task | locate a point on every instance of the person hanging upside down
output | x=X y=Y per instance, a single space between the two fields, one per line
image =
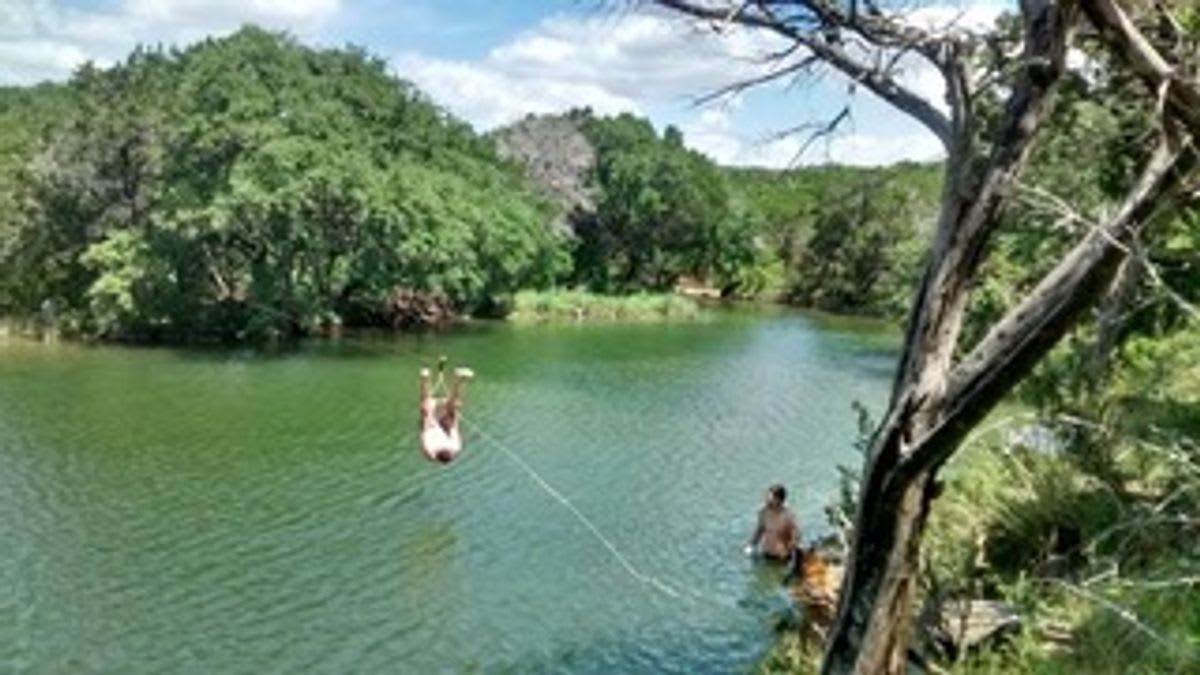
x=440 y=438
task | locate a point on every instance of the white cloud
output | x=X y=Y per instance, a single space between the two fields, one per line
x=713 y=132
x=638 y=55
x=640 y=61
x=854 y=148
x=24 y=61
x=611 y=63
x=491 y=98
x=964 y=16
x=880 y=147
x=41 y=39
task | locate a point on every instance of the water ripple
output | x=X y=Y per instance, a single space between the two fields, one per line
x=168 y=511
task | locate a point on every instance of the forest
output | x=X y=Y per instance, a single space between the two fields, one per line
x=249 y=187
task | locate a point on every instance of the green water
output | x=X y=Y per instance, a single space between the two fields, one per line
x=247 y=512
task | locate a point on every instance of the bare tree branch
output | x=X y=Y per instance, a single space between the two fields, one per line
x=797 y=68
x=1181 y=302
x=976 y=198
x=1031 y=328
x=814 y=131
x=1042 y=200
x=1128 y=44
x=813 y=25
x=937 y=399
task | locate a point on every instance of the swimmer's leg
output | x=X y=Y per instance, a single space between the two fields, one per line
x=428 y=403
x=454 y=402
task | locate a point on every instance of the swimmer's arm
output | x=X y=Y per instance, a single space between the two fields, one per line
x=757 y=536
x=792 y=535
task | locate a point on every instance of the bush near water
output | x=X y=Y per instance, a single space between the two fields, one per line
x=250 y=186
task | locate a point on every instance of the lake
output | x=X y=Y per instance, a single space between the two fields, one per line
x=248 y=511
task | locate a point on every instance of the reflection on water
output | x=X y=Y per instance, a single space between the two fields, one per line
x=240 y=511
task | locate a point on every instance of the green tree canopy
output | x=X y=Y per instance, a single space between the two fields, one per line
x=252 y=185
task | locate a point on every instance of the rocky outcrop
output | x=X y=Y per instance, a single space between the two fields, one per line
x=556 y=156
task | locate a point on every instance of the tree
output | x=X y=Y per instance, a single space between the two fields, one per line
x=661 y=209
x=864 y=245
x=248 y=186
x=943 y=386
x=839 y=238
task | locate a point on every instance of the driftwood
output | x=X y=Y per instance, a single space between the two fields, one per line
x=966 y=625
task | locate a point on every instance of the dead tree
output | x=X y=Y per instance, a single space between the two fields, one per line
x=939 y=393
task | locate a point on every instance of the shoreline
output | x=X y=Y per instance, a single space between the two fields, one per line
x=566 y=308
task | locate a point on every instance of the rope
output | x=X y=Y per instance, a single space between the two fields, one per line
x=439 y=384
x=640 y=576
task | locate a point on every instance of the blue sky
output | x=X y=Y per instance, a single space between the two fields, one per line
x=491 y=61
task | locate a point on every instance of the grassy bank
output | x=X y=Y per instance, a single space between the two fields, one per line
x=577 y=305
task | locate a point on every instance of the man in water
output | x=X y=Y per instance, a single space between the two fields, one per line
x=440 y=439
x=777 y=533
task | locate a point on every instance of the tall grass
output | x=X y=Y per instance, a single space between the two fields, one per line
x=1105 y=576
x=579 y=305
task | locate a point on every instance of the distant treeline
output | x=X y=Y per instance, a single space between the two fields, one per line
x=249 y=186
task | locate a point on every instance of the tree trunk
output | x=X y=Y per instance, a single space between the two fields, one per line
x=876 y=615
x=875 y=612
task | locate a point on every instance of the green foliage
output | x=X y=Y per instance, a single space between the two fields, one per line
x=662 y=212
x=834 y=238
x=122 y=265
x=249 y=185
x=1079 y=501
x=581 y=305
x=1110 y=573
x=865 y=250
x=846 y=240
x=1091 y=529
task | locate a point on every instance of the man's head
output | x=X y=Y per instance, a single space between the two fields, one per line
x=776 y=495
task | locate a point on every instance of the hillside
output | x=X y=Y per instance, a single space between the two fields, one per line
x=838 y=238
x=251 y=186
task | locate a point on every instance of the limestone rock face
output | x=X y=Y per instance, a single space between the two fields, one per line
x=556 y=156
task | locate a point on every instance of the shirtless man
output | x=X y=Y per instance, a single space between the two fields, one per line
x=777 y=533
x=440 y=438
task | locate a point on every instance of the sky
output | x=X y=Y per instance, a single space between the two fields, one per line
x=491 y=62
